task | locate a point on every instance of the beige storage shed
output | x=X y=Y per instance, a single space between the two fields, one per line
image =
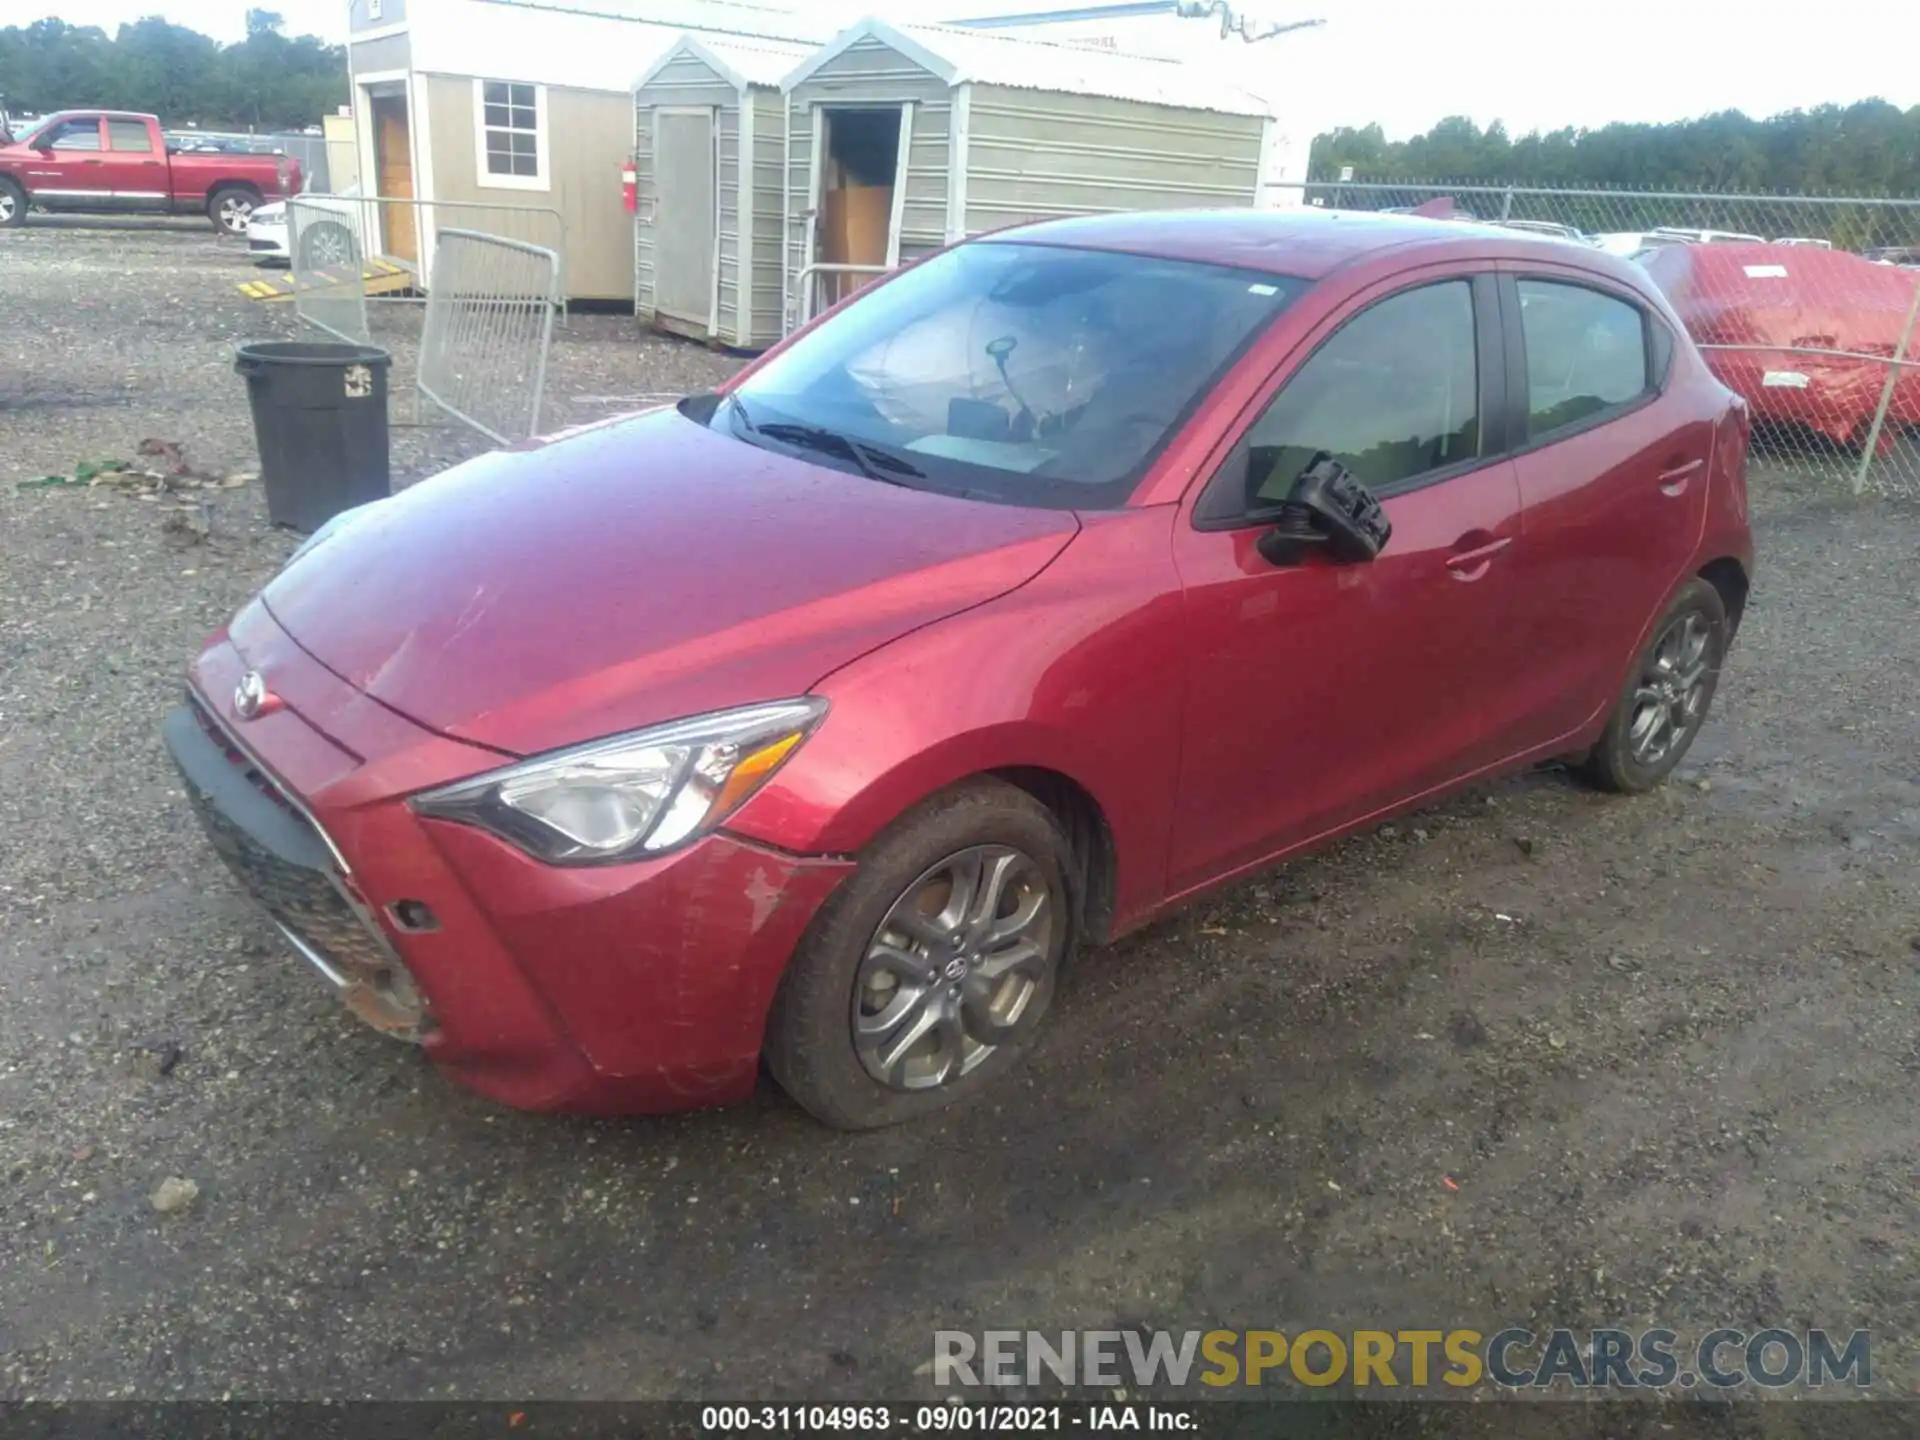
x=903 y=138
x=709 y=135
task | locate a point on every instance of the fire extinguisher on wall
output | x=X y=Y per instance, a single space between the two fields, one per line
x=630 y=186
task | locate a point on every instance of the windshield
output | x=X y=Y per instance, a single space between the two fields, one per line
x=1027 y=373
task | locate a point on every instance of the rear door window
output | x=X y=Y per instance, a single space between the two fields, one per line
x=1587 y=354
x=129 y=136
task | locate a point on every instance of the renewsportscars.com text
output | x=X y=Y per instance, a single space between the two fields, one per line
x=1514 y=1359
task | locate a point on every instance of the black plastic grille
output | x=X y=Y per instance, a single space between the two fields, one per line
x=305 y=900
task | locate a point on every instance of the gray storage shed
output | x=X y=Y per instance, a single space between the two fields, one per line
x=903 y=138
x=709 y=130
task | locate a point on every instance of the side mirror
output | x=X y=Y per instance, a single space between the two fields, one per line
x=1327 y=509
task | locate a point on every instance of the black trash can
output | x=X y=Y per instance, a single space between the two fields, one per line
x=320 y=419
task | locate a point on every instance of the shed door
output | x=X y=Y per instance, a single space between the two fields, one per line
x=393 y=173
x=684 y=220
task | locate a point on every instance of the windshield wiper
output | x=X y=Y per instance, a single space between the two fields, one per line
x=873 y=460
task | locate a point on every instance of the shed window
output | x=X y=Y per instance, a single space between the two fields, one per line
x=513 y=149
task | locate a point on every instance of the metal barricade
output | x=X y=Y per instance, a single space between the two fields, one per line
x=398 y=235
x=326 y=247
x=487 y=331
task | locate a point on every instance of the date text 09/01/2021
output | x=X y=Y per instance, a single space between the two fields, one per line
x=943 y=1419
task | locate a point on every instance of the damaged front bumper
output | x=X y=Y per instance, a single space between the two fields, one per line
x=283 y=858
x=640 y=987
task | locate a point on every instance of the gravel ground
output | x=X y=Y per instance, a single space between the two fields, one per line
x=1664 y=1048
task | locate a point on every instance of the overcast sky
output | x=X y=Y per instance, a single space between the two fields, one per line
x=1406 y=63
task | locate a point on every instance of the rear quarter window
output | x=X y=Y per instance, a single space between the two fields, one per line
x=1588 y=354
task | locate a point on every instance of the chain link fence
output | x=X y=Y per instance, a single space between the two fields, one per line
x=1805 y=306
x=325 y=247
x=488 y=327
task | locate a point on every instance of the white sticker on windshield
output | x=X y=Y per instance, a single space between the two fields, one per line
x=1766 y=272
x=1784 y=380
x=1263 y=289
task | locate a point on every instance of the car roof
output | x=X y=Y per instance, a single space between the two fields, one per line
x=1306 y=243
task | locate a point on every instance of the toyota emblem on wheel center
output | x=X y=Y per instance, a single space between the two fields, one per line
x=250 y=695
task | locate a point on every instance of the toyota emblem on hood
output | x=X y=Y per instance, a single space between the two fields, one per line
x=250 y=695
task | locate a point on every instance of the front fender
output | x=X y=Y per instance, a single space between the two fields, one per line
x=848 y=792
x=1077 y=672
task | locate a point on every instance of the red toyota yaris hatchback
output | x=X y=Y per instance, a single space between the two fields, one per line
x=1062 y=576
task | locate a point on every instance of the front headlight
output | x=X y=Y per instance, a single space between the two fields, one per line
x=630 y=796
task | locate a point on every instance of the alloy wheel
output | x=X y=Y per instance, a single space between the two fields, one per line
x=327 y=246
x=235 y=211
x=1671 y=696
x=954 y=967
x=9 y=206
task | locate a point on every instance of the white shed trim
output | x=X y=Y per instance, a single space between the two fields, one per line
x=959 y=131
x=743 y=66
x=903 y=158
x=786 y=213
x=420 y=128
x=542 y=178
x=744 y=217
x=985 y=57
x=815 y=178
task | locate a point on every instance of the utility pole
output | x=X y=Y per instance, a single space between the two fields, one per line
x=1245 y=26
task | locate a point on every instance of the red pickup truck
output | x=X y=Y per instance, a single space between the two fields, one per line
x=108 y=162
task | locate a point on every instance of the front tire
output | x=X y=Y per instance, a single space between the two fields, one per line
x=931 y=971
x=13 y=205
x=230 y=208
x=1665 y=700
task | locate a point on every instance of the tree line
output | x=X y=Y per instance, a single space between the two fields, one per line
x=1866 y=148
x=268 y=81
x=264 y=82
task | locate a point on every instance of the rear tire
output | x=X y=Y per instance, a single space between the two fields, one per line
x=13 y=205
x=230 y=208
x=1665 y=699
x=891 y=1010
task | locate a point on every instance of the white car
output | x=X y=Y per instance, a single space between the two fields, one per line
x=1551 y=229
x=323 y=243
x=1709 y=237
x=1632 y=242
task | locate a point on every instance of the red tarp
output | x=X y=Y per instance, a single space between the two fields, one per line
x=1781 y=299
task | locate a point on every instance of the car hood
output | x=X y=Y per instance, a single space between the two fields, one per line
x=636 y=572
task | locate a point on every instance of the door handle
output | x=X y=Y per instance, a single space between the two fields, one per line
x=1675 y=478
x=1471 y=564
